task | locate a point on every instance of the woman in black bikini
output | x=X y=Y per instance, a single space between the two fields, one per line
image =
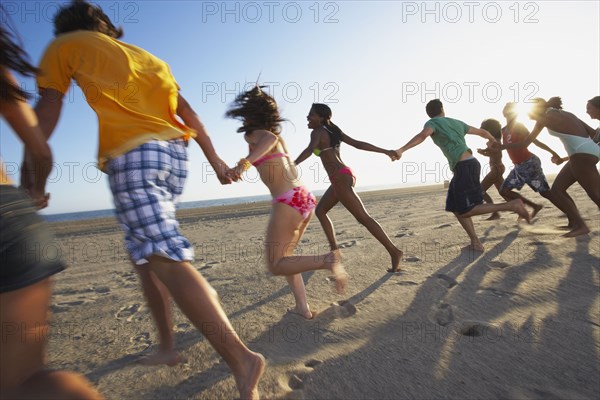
x=325 y=141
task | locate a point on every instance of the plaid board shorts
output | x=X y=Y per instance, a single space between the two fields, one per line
x=146 y=184
x=528 y=172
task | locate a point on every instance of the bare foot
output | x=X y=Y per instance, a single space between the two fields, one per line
x=337 y=270
x=518 y=207
x=493 y=217
x=536 y=209
x=582 y=230
x=478 y=247
x=167 y=357
x=247 y=379
x=396 y=258
x=308 y=314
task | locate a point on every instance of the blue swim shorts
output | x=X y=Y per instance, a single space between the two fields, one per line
x=146 y=184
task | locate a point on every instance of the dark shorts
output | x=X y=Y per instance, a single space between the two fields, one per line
x=28 y=250
x=464 y=191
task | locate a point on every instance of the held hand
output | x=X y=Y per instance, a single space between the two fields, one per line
x=398 y=154
x=40 y=200
x=482 y=151
x=234 y=174
x=494 y=145
x=392 y=155
x=556 y=159
x=222 y=175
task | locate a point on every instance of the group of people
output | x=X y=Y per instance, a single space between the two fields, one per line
x=143 y=150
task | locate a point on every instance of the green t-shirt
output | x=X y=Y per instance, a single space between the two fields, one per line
x=449 y=135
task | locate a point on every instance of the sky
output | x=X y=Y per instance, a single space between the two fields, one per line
x=376 y=63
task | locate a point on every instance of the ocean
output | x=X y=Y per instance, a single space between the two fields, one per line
x=94 y=214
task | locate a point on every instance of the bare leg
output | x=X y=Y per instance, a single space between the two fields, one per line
x=564 y=202
x=23 y=317
x=200 y=303
x=467 y=224
x=352 y=202
x=297 y=284
x=583 y=168
x=513 y=205
x=512 y=195
x=158 y=300
x=326 y=203
x=283 y=234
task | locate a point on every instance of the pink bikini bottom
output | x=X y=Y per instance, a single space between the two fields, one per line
x=300 y=199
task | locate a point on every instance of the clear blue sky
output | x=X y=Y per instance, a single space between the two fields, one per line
x=376 y=64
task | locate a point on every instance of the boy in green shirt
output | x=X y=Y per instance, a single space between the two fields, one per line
x=465 y=196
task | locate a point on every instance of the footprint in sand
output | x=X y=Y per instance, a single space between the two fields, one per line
x=412 y=259
x=407 y=283
x=498 y=265
x=348 y=244
x=141 y=342
x=446 y=281
x=183 y=327
x=340 y=309
x=477 y=329
x=205 y=267
x=128 y=312
x=65 y=306
x=405 y=234
x=313 y=362
x=443 y=226
x=443 y=314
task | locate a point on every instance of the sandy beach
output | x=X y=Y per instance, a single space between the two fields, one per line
x=520 y=321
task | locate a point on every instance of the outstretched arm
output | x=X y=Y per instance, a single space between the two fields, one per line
x=24 y=122
x=314 y=142
x=191 y=119
x=482 y=133
x=261 y=142
x=545 y=147
x=368 y=147
x=416 y=140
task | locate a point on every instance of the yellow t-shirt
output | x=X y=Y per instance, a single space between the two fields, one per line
x=132 y=92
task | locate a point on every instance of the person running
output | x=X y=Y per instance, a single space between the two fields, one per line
x=465 y=197
x=527 y=167
x=494 y=176
x=293 y=203
x=325 y=141
x=143 y=150
x=26 y=270
x=583 y=156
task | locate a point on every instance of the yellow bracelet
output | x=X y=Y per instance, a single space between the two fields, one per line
x=245 y=164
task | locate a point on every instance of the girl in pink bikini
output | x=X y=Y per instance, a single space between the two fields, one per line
x=293 y=204
x=325 y=143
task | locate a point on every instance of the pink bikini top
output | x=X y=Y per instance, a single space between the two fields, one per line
x=268 y=157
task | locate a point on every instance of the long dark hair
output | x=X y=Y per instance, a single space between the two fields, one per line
x=81 y=15
x=257 y=109
x=553 y=102
x=324 y=111
x=12 y=57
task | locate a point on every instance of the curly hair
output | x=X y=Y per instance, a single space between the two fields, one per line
x=257 y=109
x=81 y=15
x=12 y=57
x=493 y=126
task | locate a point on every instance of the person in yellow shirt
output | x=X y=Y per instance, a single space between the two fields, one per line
x=25 y=270
x=142 y=149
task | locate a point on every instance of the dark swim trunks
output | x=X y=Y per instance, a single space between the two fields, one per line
x=28 y=250
x=465 y=191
